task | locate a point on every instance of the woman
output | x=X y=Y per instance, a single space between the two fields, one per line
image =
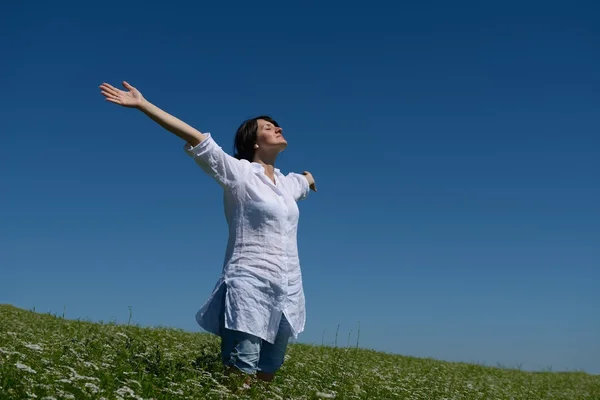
x=258 y=301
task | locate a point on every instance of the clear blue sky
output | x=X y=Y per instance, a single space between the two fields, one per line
x=455 y=148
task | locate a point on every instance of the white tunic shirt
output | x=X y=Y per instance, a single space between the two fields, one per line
x=261 y=269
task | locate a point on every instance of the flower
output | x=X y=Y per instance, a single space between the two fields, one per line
x=33 y=346
x=26 y=368
x=323 y=395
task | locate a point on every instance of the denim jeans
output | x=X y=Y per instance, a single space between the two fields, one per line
x=250 y=353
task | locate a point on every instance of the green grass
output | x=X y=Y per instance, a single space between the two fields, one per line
x=44 y=356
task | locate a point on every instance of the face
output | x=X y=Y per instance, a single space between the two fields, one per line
x=269 y=137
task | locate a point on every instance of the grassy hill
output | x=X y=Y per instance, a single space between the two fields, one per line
x=46 y=357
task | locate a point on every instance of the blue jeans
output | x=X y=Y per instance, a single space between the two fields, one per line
x=250 y=353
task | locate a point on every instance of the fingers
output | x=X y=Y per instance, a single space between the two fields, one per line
x=109 y=95
x=108 y=86
x=113 y=100
x=312 y=184
x=110 y=89
x=128 y=86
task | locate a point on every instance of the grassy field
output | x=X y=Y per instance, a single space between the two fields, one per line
x=47 y=357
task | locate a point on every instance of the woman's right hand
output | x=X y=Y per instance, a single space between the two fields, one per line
x=132 y=98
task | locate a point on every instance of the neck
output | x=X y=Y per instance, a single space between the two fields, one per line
x=268 y=162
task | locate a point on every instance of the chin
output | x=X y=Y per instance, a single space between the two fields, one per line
x=282 y=146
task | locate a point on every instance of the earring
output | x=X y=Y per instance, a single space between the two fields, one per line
x=256 y=146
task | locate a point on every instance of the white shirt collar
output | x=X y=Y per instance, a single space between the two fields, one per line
x=258 y=168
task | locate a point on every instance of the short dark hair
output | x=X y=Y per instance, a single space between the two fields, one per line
x=245 y=137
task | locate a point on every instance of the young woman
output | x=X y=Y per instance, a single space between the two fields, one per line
x=258 y=301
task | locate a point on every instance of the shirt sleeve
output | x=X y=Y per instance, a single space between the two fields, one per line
x=298 y=185
x=222 y=167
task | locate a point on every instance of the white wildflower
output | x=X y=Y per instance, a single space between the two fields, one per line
x=122 y=391
x=221 y=391
x=65 y=395
x=194 y=383
x=91 y=365
x=177 y=392
x=24 y=367
x=72 y=350
x=10 y=353
x=36 y=347
x=43 y=386
x=49 y=398
x=326 y=395
x=134 y=381
x=93 y=388
x=77 y=377
x=122 y=335
x=32 y=395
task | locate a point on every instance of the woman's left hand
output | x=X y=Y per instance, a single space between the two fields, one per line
x=132 y=98
x=311 y=180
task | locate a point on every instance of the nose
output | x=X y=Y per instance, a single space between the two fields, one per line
x=279 y=130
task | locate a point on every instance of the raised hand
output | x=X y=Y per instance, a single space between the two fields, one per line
x=311 y=180
x=132 y=98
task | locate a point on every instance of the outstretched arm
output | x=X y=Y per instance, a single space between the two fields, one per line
x=134 y=99
x=225 y=169
x=299 y=185
x=311 y=180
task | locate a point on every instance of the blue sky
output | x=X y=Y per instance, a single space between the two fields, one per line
x=455 y=149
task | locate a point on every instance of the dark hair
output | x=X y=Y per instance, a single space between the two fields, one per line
x=245 y=137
